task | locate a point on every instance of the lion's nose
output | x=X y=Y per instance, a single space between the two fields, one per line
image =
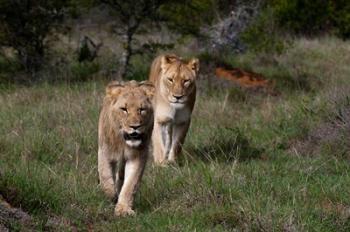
x=135 y=126
x=178 y=97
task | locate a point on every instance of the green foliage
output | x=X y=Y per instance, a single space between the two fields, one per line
x=187 y=16
x=340 y=12
x=263 y=35
x=312 y=17
x=140 y=68
x=24 y=26
x=303 y=16
x=83 y=71
x=267 y=32
x=8 y=67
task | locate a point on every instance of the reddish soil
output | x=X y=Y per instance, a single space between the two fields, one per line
x=243 y=78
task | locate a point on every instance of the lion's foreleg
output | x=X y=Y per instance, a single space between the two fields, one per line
x=105 y=171
x=133 y=173
x=161 y=141
x=119 y=176
x=178 y=138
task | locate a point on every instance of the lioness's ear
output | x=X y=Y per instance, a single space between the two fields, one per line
x=193 y=64
x=166 y=60
x=148 y=88
x=114 y=88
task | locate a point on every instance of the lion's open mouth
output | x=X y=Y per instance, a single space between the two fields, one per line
x=133 y=139
x=133 y=136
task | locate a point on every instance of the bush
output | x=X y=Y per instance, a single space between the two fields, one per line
x=314 y=17
x=83 y=71
x=264 y=35
x=268 y=30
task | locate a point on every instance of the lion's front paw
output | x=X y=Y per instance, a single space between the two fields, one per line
x=123 y=210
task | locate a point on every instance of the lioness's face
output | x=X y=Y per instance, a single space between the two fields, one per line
x=133 y=110
x=178 y=80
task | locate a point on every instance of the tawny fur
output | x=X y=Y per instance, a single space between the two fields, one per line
x=175 y=83
x=121 y=160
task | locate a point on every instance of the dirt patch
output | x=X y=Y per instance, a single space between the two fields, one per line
x=243 y=78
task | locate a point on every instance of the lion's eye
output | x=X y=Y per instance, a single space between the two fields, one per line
x=187 y=82
x=142 y=110
x=170 y=79
x=124 y=109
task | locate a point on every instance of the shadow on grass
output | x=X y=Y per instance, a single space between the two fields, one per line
x=228 y=146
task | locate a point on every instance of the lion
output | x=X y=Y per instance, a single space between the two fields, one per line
x=124 y=134
x=175 y=95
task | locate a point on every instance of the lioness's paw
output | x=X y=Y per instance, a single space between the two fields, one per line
x=171 y=162
x=123 y=210
x=162 y=163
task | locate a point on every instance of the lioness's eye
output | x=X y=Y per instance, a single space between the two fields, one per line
x=170 y=79
x=142 y=110
x=124 y=109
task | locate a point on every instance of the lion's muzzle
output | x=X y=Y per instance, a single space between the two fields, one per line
x=134 y=139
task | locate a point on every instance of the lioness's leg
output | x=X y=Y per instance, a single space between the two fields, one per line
x=106 y=173
x=133 y=173
x=161 y=140
x=179 y=134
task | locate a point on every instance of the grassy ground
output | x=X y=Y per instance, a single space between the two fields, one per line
x=252 y=162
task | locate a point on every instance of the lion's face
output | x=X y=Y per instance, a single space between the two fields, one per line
x=132 y=110
x=177 y=79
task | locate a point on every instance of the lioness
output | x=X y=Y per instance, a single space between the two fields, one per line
x=174 y=80
x=124 y=132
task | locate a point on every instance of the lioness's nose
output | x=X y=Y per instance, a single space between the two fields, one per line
x=135 y=126
x=178 y=97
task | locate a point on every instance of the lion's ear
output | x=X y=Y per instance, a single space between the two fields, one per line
x=149 y=88
x=114 y=88
x=166 y=60
x=193 y=64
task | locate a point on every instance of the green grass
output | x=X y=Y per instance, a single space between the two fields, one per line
x=239 y=172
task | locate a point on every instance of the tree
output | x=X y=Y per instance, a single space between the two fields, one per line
x=24 y=26
x=188 y=16
x=132 y=15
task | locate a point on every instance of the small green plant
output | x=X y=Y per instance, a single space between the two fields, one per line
x=83 y=71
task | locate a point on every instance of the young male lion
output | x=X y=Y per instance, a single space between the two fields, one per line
x=125 y=128
x=174 y=80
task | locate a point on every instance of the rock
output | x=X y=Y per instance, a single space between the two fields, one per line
x=226 y=33
x=9 y=214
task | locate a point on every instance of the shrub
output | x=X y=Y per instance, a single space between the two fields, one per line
x=264 y=35
x=83 y=71
x=24 y=26
x=314 y=17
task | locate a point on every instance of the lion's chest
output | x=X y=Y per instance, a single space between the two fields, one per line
x=169 y=114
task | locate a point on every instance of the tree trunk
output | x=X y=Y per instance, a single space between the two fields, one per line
x=127 y=53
